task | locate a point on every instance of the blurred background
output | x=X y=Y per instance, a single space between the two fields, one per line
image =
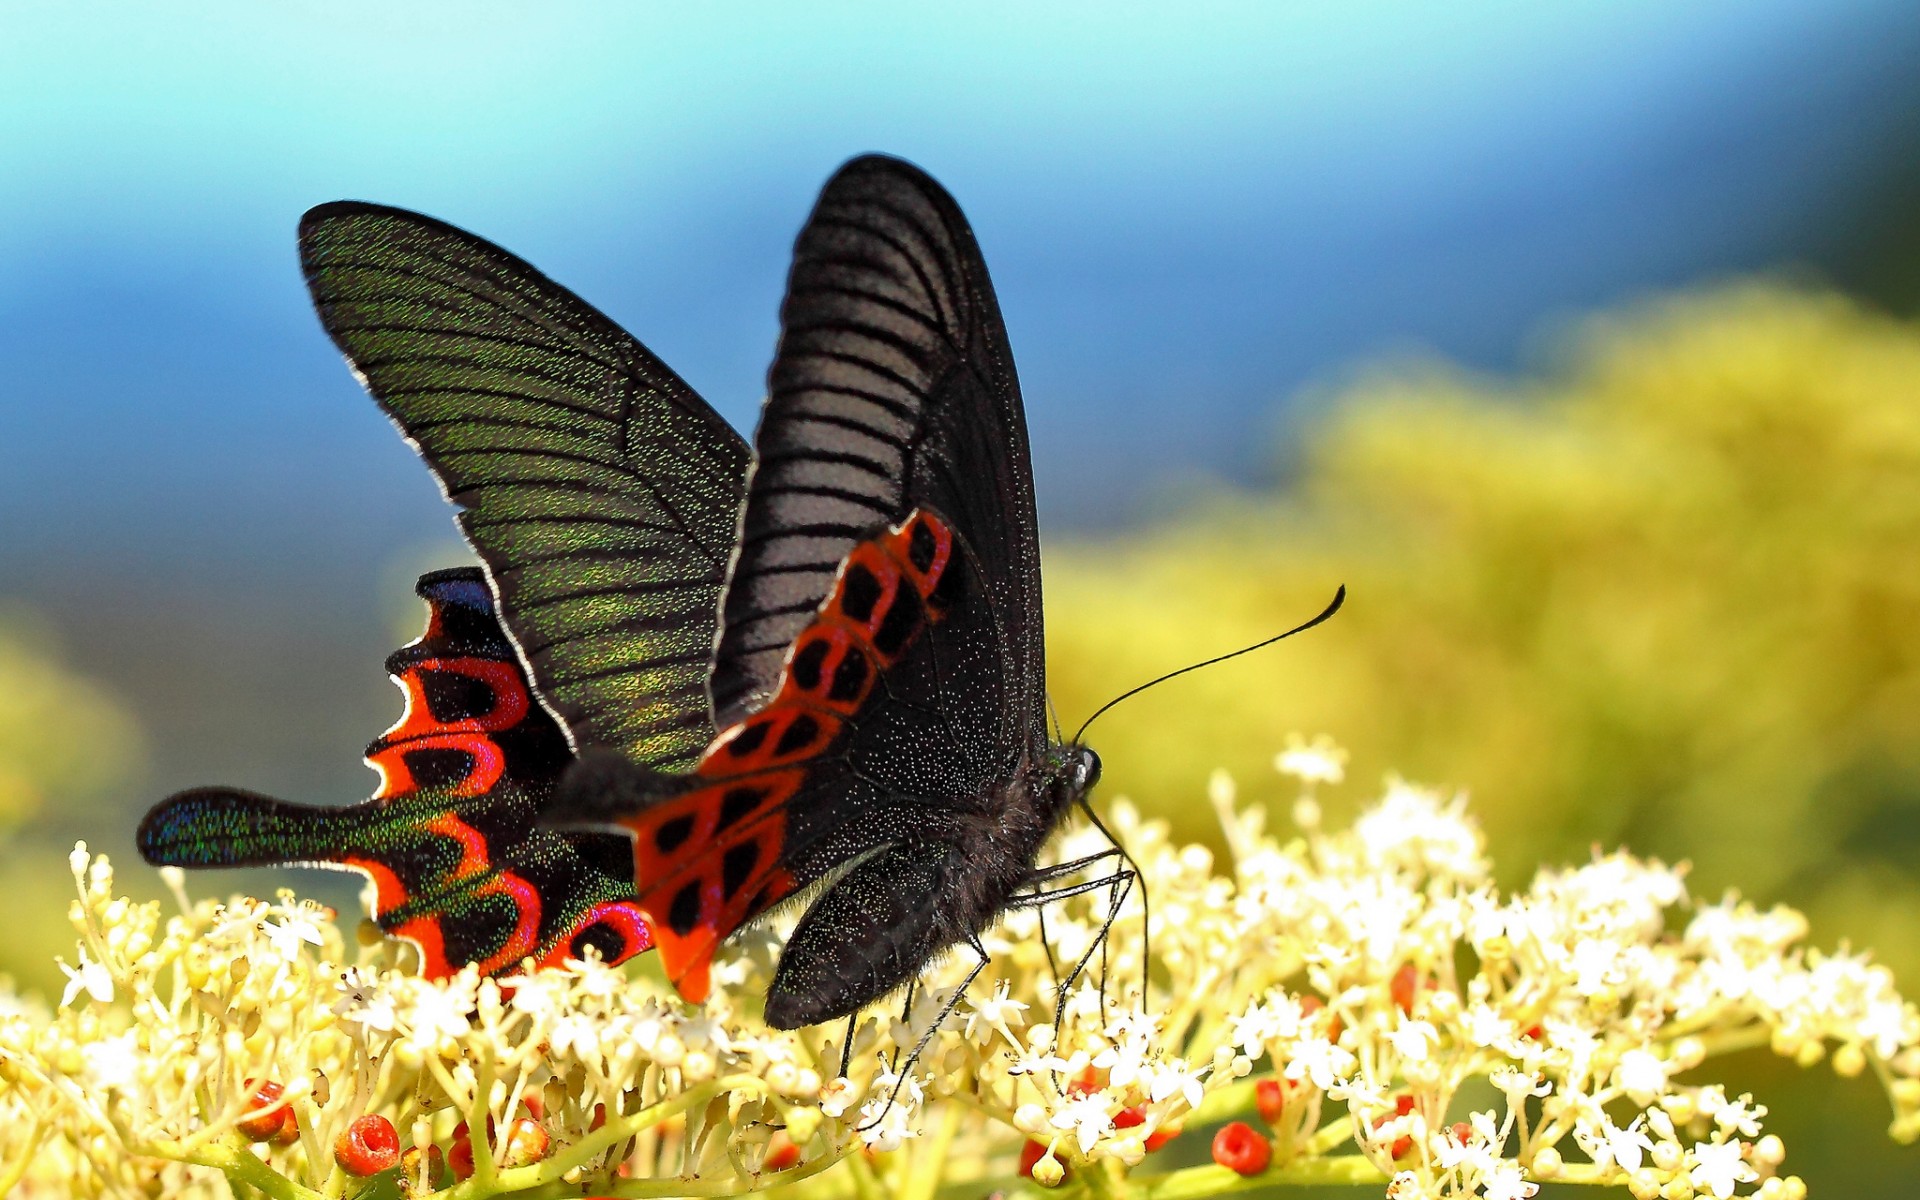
x=1576 y=339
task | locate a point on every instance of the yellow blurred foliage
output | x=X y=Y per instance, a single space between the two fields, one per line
x=61 y=738
x=1668 y=597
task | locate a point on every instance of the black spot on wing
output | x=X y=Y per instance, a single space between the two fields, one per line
x=683 y=915
x=736 y=866
x=673 y=833
x=859 y=592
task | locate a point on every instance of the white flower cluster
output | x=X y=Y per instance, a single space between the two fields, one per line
x=1393 y=1019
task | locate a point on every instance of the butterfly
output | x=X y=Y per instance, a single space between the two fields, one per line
x=818 y=680
x=601 y=494
x=878 y=684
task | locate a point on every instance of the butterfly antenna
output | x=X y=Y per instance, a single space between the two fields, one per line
x=1339 y=598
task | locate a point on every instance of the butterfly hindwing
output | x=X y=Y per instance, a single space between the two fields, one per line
x=449 y=839
x=600 y=491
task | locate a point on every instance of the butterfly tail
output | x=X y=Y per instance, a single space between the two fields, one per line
x=227 y=827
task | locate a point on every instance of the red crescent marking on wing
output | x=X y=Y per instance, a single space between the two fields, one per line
x=503 y=681
x=424 y=932
x=526 y=931
x=622 y=915
x=396 y=779
x=898 y=544
x=473 y=844
x=388 y=892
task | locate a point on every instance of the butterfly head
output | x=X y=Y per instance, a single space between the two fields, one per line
x=1075 y=771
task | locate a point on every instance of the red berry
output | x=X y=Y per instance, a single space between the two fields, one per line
x=1462 y=1132
x=1402 y=1146
x=460 y=1158
x=1127 y=1118
x=1161 y=1137
x=1535 y=1032
x=527 y=1142
x=1404 y=986
x=1240 y=1150
x=1270 y=1097
x=1313 y=1004
x=781 y=1152
x=259 y=1126
x=369 y=1146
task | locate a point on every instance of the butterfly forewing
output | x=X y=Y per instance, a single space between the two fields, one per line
x=892 y=389
x=599 y=490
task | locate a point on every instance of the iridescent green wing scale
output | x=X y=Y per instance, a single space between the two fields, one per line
x=601 y=493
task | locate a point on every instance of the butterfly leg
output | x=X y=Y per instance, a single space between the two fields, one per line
x=846 y=1044
x=926 y=1035
x=1059 y=871
x=1119 y=885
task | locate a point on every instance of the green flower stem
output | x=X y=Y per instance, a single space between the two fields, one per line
x=925 y=1164
x=1098 y=1183
x=1233 y=1100
x=234 y=1158
x=615 y=1131
x=1196 y=1183
x=17 y=1171
x=865 y=1186
x=1732 y=1041
x=655 y=1189
x=478 y=1136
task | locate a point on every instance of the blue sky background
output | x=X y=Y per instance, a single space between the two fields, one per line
x=1192 y=211
x=1195 y=213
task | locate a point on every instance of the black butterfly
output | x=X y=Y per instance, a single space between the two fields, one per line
x=869 y=714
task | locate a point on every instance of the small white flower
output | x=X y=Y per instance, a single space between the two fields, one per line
x=1718 y=1168
x=1518 y=1085
x=364 y=1002
x=1642 y=1075
x=1175 y=1078
x=1325 y=1063
x=1740 y=1116
x=1887 y=1025
x=294 y=929
x=111 y=1062
x=540 y=994
x=436 y=1013
x=89 y=977
x=1607 y=1144
x=996 y=1011
x=1414 y=1039
x=1505 y=1182
x=1087 y=1116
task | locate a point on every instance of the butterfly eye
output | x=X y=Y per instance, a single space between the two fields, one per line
x=1086 y=770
